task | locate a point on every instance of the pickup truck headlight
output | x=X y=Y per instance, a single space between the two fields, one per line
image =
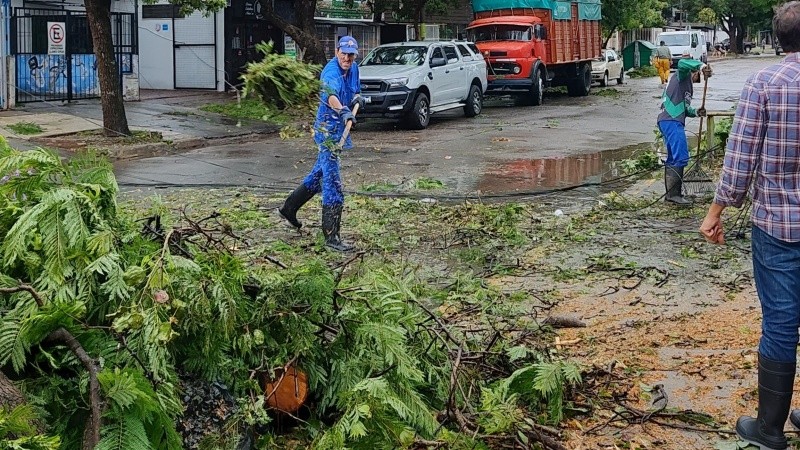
x=397 y=82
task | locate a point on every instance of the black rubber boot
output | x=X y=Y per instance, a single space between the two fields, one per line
x=775 y=382
x=331 y=221
x=296 y=199
x=673 y=181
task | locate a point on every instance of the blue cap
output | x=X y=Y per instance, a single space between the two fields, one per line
x=348 y=44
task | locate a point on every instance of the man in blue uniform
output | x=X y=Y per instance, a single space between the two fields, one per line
x=340 y=92
x=676 y=106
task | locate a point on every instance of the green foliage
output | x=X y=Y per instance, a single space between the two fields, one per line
x=722 y=129
x=631 y=14
x=646 y=160
x=18 y=432
x=643 y=72
x=25 y=128
x=281 y=81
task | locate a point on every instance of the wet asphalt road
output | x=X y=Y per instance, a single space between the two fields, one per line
x=505 y=150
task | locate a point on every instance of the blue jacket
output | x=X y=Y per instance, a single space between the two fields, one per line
x=328 y=128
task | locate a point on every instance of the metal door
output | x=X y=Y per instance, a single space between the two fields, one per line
x=195 y=51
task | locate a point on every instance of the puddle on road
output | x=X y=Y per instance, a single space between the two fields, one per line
x=543 y=174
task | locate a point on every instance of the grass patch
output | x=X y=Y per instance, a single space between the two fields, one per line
x=428 y=184
x=643 y=72
x=605 y=92
x=248 y=109
x=25 y=128
x=381 y=186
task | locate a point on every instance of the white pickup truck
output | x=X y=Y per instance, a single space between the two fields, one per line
x=412 y=80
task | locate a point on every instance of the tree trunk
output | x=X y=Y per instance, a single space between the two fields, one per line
x=98 y=13
x=10 y=396
x=303 y=33
x=735 y=31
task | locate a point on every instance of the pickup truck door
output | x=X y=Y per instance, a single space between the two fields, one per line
x=456 y=75
x=438 y=79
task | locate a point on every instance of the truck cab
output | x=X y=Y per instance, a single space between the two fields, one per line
x=531 y=44
x=514 y=47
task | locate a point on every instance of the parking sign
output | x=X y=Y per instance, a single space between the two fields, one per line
x=56 y=38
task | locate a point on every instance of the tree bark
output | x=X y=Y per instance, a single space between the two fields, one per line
x=10 y=395
x=115 y=123
x=304 y=32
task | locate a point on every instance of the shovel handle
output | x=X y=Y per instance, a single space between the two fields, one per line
x=348 y=126
x=702 y=106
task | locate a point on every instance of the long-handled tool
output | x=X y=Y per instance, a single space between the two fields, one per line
x=347 y=127
x=696 y=181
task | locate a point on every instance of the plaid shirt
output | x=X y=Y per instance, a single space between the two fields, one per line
x=765 y=142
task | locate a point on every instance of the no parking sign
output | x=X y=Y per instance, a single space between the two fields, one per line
x=56 y=38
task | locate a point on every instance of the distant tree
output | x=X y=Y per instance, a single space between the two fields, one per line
x=707 y=15
x=621 y=15
x=413 y=10
x=734 y=16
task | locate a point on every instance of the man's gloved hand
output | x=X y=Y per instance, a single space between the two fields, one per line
x=358 y=100
x=345 y=114
x=707 y=72
x=701 y=112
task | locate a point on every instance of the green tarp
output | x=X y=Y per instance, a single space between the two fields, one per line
x=562 y=10
x=487 y=5
x=589 y=11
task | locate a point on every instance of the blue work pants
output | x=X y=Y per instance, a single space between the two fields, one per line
x=324 y=176
x=675 y=139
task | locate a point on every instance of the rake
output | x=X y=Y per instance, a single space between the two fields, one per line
x=696 y=180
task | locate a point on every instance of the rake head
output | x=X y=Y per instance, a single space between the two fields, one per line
x=697 y=181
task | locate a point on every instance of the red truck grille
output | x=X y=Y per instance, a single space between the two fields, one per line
x=503 y=68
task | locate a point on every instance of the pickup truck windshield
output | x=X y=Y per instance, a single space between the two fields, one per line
x=501 y=33
x=395 y=56
x=675 y=39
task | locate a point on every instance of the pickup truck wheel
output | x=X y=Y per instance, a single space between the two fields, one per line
x=604 y=81
x=474 y=102
x=420 y=113
x=580 y=85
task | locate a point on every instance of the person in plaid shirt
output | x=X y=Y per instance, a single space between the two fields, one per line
x=764 y=147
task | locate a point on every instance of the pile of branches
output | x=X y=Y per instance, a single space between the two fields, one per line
x=279 y=80
x=392 y=360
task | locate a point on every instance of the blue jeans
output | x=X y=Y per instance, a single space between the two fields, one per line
x=776 y=269
x=675 y=139
x=324 y=176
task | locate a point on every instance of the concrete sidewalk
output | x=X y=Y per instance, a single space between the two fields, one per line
x=175 y=114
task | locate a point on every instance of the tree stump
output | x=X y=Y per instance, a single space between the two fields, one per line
x=288 y=391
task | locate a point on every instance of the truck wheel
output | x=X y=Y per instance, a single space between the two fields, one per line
x=604 y=81
x=580 y=85
x=535 y=96
x=420 y=113
x=474 y=102
x=537 y=89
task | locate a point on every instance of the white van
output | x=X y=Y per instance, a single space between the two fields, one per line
x=687 y=42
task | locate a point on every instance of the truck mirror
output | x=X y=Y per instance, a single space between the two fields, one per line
x=438 y=62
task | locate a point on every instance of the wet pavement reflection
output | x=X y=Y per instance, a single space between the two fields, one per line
x=543 y=174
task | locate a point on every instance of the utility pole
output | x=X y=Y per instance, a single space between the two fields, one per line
x=681 y=6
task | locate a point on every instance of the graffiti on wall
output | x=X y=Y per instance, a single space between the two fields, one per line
x=47 y=74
